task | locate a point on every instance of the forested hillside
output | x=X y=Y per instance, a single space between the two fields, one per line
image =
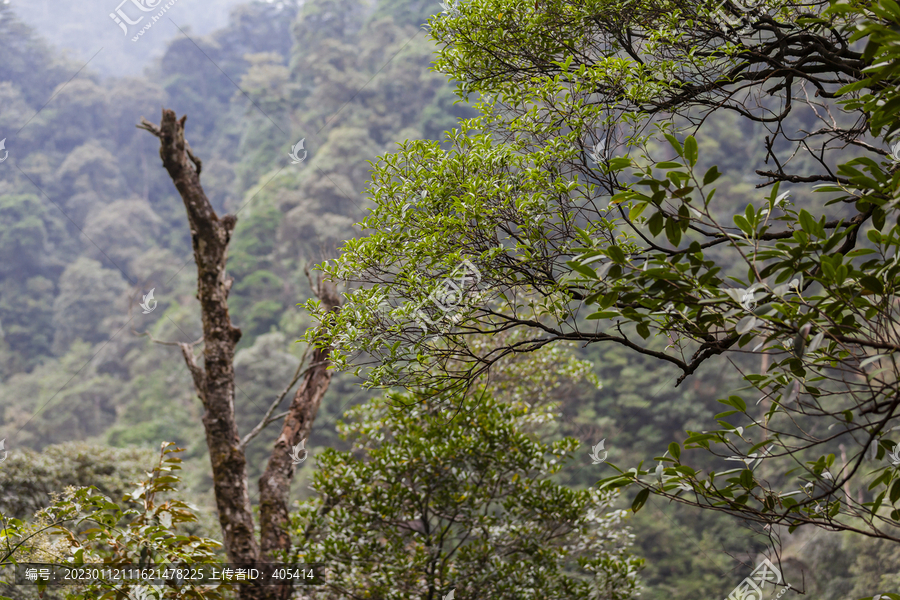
x=97 y=225
x=80 y=30
x=92 y=382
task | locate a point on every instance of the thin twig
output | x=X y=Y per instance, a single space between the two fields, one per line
x=162 y=343
x=148 y=126
x=268 y=418
x=197 y=373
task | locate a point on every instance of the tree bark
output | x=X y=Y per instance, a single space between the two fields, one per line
x=275 y=482
x=214 y=382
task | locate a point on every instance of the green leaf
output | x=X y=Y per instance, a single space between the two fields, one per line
x=675 y=144
x=690 y=150
x=656 y=223
x=743 y=224
x=673 y=231
x=895 y=492
x=872 y=284
x=878 y=218
x=616 y=254
x=861 y=251
x=675 y=450
x=616 y=481
x=640 y=499
x=711 y=175
x=807 y=223
x=603 y=314
x=643 y=330
x=883 y=478
x=619 y=162
x=636 y=210
x=737 y=402
x=584 y=270
x=699 y=437
x=609 y=299
x=668 y=164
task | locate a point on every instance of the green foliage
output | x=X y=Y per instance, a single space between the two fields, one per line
x=83 y=526
x=514 y=190
x=26 y=237
x=107 y=217
x=79 y=402
x=582 y=205
x=831 y=310
x=29 y=479
x=28 y=61
x=431 y=499
x=75 y=317
x=26 y=313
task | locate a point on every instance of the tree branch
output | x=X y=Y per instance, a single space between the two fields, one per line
x=268 y=418
x=214 y=382
x=275 y=482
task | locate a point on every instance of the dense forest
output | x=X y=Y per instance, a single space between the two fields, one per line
x=385 y=148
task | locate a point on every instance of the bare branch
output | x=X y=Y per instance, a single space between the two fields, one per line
x=268 y=418
x=199 y=377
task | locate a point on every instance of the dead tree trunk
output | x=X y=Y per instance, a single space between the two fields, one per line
x=214 y=381
x=275 y=483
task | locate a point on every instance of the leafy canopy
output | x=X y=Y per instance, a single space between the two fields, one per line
x=432 y=498
x=583 y=205
x=82 y=526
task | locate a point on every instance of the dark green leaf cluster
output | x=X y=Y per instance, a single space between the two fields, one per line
x=434 y=497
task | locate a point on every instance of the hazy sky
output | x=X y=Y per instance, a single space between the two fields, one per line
x=87 y=32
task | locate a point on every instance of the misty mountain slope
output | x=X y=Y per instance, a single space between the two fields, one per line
x=82 y=29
